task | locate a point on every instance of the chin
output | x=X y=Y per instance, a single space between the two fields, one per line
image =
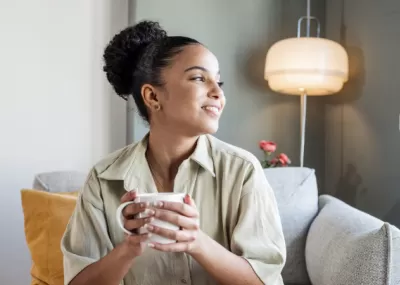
x=210 y=129
x=200 y=127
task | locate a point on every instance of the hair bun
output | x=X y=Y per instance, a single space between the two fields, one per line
x=124 y=51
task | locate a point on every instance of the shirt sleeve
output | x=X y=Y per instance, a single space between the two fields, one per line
x=85 y=240
x=258 y=235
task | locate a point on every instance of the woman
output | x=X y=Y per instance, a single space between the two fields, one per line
x=230 y=231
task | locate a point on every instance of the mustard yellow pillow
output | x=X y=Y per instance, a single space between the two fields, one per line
x=46 y=216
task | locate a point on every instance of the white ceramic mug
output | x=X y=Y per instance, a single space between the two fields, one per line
x=151 y=198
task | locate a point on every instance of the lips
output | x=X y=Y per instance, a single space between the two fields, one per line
x=212 y=109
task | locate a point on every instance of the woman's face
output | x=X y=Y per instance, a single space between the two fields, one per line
x=191 y=99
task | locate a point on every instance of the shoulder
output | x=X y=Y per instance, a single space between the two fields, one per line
x=224 y=152
x=240 y=165
x=116 y=156
x=112 y=166
x=115 y=165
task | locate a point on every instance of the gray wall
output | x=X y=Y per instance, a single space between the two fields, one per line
x=239 y=33
x=57 y=111
x=362 y=159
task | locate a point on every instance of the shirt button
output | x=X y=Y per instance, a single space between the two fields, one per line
x=183 y=281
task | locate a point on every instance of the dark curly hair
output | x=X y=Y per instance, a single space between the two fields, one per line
x=137 y=55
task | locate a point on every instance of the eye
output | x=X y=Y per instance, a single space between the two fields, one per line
x=220 y=84
x=199 y=78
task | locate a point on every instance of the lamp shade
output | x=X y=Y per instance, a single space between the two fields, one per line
x=311 y=65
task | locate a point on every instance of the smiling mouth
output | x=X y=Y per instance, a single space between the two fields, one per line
x=215 y=111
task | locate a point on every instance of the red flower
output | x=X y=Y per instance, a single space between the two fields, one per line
x=274 y=161
x=284 y=159
x=267 y=146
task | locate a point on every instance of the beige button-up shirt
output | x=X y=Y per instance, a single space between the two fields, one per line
x=236 y=204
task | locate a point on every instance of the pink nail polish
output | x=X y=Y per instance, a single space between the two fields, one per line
x=187 y=199
x=149 y=227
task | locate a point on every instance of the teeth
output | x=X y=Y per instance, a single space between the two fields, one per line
x=212 y=109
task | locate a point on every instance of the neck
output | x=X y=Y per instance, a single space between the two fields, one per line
x=166 y=151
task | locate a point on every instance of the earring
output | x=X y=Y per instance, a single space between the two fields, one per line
x=157 y=107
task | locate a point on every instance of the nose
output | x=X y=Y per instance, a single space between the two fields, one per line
x=216 y=92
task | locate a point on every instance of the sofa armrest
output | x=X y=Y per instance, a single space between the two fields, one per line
x=347 y=246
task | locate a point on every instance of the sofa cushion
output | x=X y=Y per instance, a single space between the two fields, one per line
x=45 y=218
x=348 y=246
x=59 y=181
x=296 y=193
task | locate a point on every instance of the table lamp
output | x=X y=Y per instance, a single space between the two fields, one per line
x=306 y=66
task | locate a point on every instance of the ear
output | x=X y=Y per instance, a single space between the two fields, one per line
x=149 y=96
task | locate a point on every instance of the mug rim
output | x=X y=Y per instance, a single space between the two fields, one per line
x=159 y=194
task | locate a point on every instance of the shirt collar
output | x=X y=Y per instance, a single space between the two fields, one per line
x=203 y=154
x=131 y=165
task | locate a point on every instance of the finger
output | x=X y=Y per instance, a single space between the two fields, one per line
x=172 y=247
x=181 y=208
x=136 y=208
x=186 y=200
x=176 y=219
x=133 y=224
x=137 y=239
x=129 y=196
x=190 y=201
x=180 y=236
x=193 y=204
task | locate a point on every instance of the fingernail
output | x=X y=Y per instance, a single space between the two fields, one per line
x=150 y=212
x=143 y=205
x=149 y=220
x=149 y=227
x=187 y=199
x=158 y=204
x=150 y=245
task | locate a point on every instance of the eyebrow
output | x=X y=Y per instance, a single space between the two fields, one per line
x=197 y=67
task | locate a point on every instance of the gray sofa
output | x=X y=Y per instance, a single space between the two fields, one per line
x=328 y=241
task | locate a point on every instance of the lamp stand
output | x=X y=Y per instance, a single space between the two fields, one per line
x=303 y=111
x=303 y=96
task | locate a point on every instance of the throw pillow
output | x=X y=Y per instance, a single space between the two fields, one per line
x=46 y=216
x=348 y=246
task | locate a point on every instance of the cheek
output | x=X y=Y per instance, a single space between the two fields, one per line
x=185 y=99
x=186 y=107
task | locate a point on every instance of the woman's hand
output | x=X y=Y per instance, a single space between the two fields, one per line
x=184 y=215
x=135 y=241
